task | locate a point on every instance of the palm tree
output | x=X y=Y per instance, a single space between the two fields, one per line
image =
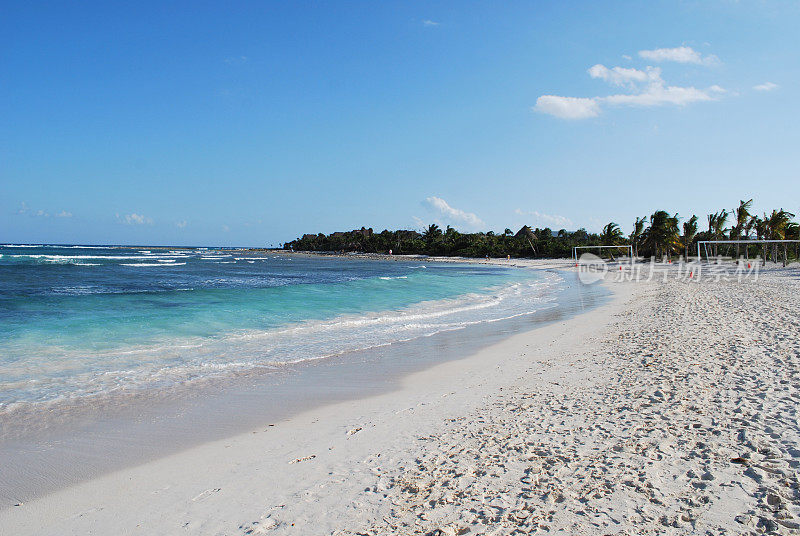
x=611 y=234
x=777 y=223
x=636 y=235
x=526 y=233
x=432 y=233
x=689 y=232
x=449 y=238
x=760 y=225
x=793 y=233
x=775 y=229
x=742 y=215
x=433 y=239
x=716 y=226
x=749 y=226
x=662 y=237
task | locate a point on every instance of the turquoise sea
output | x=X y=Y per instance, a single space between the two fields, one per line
x=85 y=321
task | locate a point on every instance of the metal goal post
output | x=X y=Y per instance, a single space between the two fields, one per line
x=600 y=250
x=704 y=245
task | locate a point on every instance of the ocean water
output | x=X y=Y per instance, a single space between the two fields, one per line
x=83 y=321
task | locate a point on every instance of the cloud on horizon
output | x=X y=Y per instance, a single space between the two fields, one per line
x=452 y=214
x=24 y=209
x=429 y=22
x=646 y=88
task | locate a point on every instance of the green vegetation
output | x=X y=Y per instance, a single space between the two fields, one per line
x=658 y=235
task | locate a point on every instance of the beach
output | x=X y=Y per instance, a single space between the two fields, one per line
x=669 y=409
x=399 y=268
x=138 y=356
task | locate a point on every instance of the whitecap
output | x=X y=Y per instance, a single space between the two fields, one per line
x=152 y=264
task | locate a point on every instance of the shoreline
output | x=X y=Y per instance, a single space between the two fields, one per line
x=520 y=262
x=226 y=407
x=672 y=408
x=297 y=443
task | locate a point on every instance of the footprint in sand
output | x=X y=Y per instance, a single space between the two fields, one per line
x=260 y=527
x=303 y=459
x=205 y=494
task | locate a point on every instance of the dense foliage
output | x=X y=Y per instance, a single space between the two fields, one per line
x=450 y=242
x=659 y=235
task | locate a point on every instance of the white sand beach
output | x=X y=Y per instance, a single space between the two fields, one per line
x=670 y=410
x=399 y=268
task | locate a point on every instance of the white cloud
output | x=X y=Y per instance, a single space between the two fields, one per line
x=236 y=60
x=548 y=220
x=645 y=88
x=134 y=219
x=623 y=76
x=453 y=214
x=766 y=86
x=38 y=213
x=679 y=55
x=225 y=228
x=429 y=22
x=657 y=94
x=567 y=107
x=181 y=224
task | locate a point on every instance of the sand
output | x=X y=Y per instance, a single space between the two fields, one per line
x=670 y=410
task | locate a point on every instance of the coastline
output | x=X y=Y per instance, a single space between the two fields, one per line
x=520 y=262
x=104 y=436
x=316 y=432
x=398 y=390
x=669 y=409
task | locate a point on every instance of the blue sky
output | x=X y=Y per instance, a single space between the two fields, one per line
x=250 y=123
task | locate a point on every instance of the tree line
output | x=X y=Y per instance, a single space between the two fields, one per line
x=662 y=234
